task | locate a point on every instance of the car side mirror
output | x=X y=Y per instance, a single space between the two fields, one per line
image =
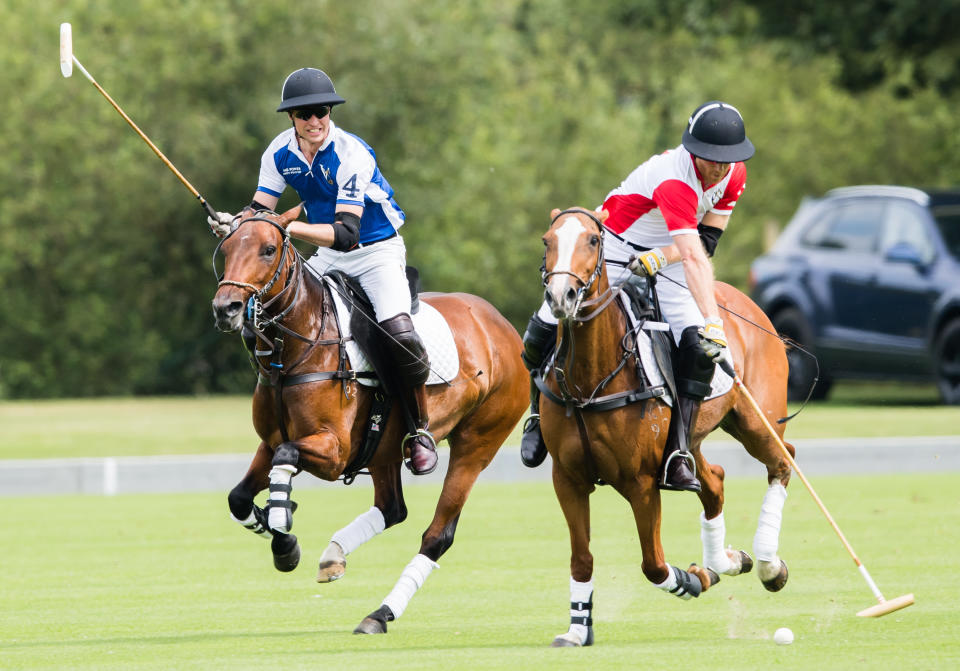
x=904 y=252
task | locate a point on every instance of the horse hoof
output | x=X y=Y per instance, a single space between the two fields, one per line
x=569 y=640
x=286 y=552
x=746 y=562
x=740 y=562
x=707 y=576
x=331 y=570
x=776 y=583
x=371 y=625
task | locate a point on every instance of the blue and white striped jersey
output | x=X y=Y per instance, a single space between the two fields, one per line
x=344 y=171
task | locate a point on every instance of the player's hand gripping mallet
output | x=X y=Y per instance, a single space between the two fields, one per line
x=67 y=61
x=884 y=606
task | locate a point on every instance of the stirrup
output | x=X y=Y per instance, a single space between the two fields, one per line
x=408 y=461
x=688 y=456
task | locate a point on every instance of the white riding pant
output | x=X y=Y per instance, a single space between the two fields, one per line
x=380 y=268
x=676 y=302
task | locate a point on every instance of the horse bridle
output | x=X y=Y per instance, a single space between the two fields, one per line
x=255 y=305
x=585 y=286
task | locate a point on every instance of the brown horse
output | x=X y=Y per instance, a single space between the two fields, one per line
x=603 y=422
x=309 y=408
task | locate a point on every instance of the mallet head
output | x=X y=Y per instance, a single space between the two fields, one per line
x=66 y=50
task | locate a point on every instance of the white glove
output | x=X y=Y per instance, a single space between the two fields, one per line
x=647 y=263
x=714 y=342
x=223 y=225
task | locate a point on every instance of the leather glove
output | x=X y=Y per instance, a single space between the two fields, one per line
x=714 y=342
x=223 y=225
x=648 y=263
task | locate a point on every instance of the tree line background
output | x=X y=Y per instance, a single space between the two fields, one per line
x=484 y=116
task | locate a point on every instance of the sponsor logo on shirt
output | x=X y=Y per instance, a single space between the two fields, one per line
x=292 y=170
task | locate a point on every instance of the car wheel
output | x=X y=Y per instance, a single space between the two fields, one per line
x=791 y=323
x=947 y=357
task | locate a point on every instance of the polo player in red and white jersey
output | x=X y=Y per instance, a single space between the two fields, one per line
x=666 y=217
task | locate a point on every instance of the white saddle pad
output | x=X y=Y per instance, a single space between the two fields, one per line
x=432 y=329
x=720 y=385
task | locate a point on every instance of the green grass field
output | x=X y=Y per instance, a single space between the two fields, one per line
x=196 y=425
x=169 y=582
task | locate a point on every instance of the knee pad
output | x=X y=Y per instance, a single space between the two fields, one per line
x=537 y=341
x=694 y=368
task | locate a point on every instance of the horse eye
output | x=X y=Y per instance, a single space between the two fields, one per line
x=594 y=240
x=269 y=250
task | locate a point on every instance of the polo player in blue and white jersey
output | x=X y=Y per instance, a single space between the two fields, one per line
x=354 y=220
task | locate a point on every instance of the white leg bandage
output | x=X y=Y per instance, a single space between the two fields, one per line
x=581 y=593
x=360 y=530
x=712 y=535
x=412 y=579
x=253 y=525
x=280 y=517
x=767 y=538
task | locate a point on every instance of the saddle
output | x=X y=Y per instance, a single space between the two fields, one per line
x=641 y=300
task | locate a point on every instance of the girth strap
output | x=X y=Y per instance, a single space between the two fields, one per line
x=306 y=378
x=601 y=403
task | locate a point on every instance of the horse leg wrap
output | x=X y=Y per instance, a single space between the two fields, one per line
x=412 y=579
x=279 y=506
x=680 y=583
x=256 y=522
x=359 y=531
x=581 y=612
x=767 y=538
x=712 y=534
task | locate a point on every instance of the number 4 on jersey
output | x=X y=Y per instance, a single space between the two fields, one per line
x=350 y=188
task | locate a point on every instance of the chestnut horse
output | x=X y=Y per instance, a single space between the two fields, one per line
x=308 y=404
x=603 y=422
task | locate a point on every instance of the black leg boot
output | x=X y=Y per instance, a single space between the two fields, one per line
x=538 y=341
x=532 y=448
x=678 y=471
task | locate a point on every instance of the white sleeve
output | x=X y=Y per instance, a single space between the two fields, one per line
x=270 y=181
x=354 y=175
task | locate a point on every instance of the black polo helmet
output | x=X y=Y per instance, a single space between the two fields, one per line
x=306 y=87
x=715 y=132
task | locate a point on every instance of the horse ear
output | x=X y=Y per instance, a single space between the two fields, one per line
x=603 y=215
x=290 y=215
x=554 y=212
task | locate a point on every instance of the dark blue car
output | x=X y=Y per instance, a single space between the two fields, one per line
x=867 y=278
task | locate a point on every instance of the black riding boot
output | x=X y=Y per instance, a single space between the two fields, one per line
x=678 y=468
x=532 y=448
x=537 y=342
x=410 y=358
x=423 y=448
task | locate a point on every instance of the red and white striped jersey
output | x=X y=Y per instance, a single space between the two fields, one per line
x=664 y=197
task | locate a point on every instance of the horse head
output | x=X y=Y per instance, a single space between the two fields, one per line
x=573 y=259
x=256 y=254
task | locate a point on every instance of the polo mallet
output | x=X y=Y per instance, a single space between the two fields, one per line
x=67 y=60
x=884 y=606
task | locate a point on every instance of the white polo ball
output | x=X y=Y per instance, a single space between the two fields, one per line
x=783 y=636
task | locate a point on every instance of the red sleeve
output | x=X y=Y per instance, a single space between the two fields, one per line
x=736 y=185
x=624 y=210
x=677 y=203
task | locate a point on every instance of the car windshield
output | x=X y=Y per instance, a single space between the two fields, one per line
x=948 y=221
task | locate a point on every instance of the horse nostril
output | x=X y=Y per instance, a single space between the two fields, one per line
x=571 y=295
x=227 y=309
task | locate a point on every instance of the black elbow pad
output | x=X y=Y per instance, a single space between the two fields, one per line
x=709 y=235
x=346 y=231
